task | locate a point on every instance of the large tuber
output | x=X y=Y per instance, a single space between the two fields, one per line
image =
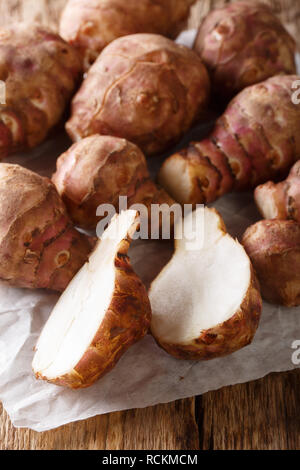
x=39 y=246
x=274 y=249
x=98 y=170
x=143 y=87
x=256 y=139
x=281 y=200
x=241 y=44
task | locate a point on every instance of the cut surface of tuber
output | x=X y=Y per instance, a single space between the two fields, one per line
x=205 y=302
x=103 y=311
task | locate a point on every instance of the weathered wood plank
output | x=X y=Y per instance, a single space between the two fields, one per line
x=168 y=426
x=259 y=415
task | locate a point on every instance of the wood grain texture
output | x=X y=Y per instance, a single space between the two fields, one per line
x=262 y=415
x=259 y=415
x=168 y=426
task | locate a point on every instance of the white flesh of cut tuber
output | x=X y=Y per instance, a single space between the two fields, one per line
x=205 y=302
x=103 y=311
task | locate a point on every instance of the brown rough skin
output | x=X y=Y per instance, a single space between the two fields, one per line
x=40 y=72
x=99 y=169
x=227 y=337
x=91 y=25
x=39 y=247
x=144 y=88
x=274 y=249
x=127 y=321
x=257 y=138
x=282 y=200
x=241 y=44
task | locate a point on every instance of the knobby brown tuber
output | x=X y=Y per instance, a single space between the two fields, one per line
x=274 y=249
x=241 y=44
x=98 y=170
x=40 y=72
x=39 y=246
x=256 y=139
x=281 y=200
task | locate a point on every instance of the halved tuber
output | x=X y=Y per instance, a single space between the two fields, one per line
x=98 y=170
x=90 y=25
x=257 y=138
x=40 y=71
x=274 y=249
x=39 y=246
x=104 y=310
x=144 y=88
x=244 y=43
x=206 y=301
x=281 y=200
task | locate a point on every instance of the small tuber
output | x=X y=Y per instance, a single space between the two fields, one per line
x=274 y=249
x=39 y=246
x=40 y=72
x=281 y=200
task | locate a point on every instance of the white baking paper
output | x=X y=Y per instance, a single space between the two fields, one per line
x=145 y=375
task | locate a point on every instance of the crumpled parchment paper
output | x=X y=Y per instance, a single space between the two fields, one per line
x=145 y=375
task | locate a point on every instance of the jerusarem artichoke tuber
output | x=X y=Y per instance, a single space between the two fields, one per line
x=144 y=88
x=244 y=43
x=40 y=72
x=256 y=139
x=274 y=249
x=39 y=246
x=97 y=170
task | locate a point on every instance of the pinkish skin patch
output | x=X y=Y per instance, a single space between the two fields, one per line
x=239 y=162
x=40 y=239
x=232 y=149
x=48 y=264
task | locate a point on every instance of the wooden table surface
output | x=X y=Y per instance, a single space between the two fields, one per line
x=263 y=414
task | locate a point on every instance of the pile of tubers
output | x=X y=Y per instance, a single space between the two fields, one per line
x=134 y=93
